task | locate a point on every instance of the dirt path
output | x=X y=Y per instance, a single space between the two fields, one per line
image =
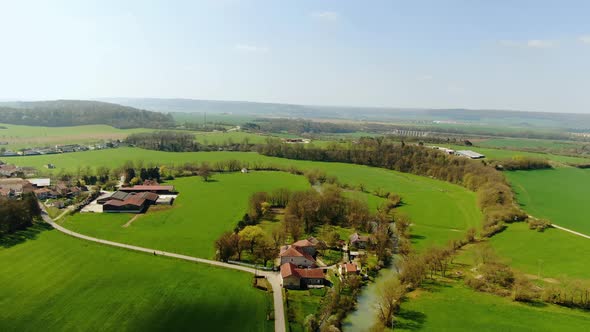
x=272 y=277
x=127 y=224
x=570 y=231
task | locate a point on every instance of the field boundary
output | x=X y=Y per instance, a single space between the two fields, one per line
x=272 y=277
x=571 y=231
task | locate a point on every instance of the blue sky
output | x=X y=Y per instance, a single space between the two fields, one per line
x=525 y=55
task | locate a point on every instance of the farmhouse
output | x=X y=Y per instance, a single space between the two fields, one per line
x=45 y=193
x=8 y=170
x=296 y=278
x=359 y=241
x=160 y=190
x=469 y=154
x=17 y=186
x=348 y=269
x=296 y=256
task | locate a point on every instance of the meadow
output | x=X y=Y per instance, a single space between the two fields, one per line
x=559 y=195
x=439 y=210
x=19 y=137
x=524 y=143
x=53 y=282
x=453 y=307
x=552 y=253
x=200 y=214
x=502 y=153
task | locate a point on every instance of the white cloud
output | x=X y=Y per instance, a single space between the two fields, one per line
x=326 y=16
x=584 y=39
x=538 y=43
x=532 y=43
x=249 y=48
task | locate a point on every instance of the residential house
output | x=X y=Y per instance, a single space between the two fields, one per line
x=294 y=255
x=297 y=278
x=306 y=246
x=44 y=193
x=8 y=170
x=348 y=269
x=358 y=241
x=16 y=185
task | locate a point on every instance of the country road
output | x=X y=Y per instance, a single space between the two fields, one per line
x=273 y=277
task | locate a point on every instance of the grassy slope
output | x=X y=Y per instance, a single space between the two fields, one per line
x=200 y=214
x=497 y=154
x=458 y=308
x=28 y=136
x=520 y=143
x=439 y=210
x=557 y=194
x=58 y=283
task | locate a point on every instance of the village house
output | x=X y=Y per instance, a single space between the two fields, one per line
x=8 y=170
x=306 y=246
x=16 y=186
x=296 y=256
x=348 y=269
x=295 y=278
x=358 y=241
x=45 y=193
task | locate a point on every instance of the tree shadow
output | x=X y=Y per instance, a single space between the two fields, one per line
x=411 y=320
x=19 y=237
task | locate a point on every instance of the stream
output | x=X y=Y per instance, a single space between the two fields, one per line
x=364 y=316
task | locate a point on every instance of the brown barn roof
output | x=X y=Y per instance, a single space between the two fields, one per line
x=303 y=243
x=148 y=188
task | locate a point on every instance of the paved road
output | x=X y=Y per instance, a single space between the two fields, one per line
x=272 y=277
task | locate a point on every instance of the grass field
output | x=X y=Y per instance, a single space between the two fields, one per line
x=553 y=253
x=524 y=143
x=202 y=212
x=300 y=304
x=502 y=153
x=439 y=210
x=457 y=308
x=560 y=195
x=30 y=136
x=58 y=283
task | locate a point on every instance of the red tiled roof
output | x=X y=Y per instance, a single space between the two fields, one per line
x=148 y=188
x=350 y=267
x=292 y=251
x=303 y=243
x=149 y=196
x=289 y=269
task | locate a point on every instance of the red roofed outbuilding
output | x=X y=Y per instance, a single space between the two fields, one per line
x=294 y=277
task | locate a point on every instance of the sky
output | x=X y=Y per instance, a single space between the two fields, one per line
x=517 y=55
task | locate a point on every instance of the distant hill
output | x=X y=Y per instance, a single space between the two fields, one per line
x=56 y=113
x=444 y=116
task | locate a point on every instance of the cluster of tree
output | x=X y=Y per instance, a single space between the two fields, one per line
x=521 y=163
x=334 y=306
x=299 y=126
x=174 y=141
x=17 y=215
x=82 y=112
x=495 y=195
x=538 y=224
x=132 y=177
x=251 y=238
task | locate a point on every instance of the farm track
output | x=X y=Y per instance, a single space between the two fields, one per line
x=273 y=277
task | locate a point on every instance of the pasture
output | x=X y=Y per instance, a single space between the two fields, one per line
x=439 y=210
x=559 y=195
x=524 y=143
x=552 y=253
x=453 y=307
x=202 y=212
x=504 y=153
x=57 y=283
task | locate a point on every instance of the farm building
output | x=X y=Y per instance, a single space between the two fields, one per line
x=132 y=204
x=40 y=183
x=469 y=154
x=296 y=278
x=348 y=269
x=45 y=193
x=160 y=190
x=296 y=256
x=17 y=186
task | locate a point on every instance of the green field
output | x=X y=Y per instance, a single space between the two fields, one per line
x=202 y=212
x=19 y=137
x=553 y=253
x=58 y=283
x=523 y=143
x=559 y=195
x=457 y=308
x=439 y=210
x=499 y=154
